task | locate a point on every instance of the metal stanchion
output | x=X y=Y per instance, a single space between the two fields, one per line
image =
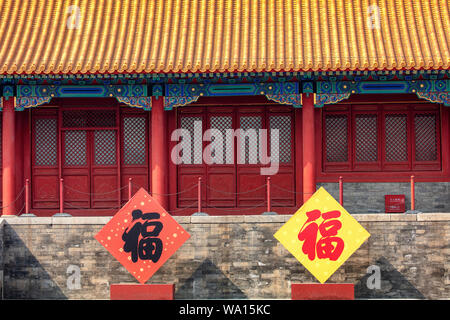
x=61 y=212
x=413 y=197
x=199 y=199
x=27 y=200
x=269 y=209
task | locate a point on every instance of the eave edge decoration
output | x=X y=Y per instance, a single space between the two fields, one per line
x=29 y=96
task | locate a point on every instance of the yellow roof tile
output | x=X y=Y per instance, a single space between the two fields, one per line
x=165 y=36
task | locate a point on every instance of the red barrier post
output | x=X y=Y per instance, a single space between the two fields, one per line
x=61 y=195
x=341 y=191
x=129 y=188
x=268 y=194
x=27 y=196
x=413 y=196
x=199 y=194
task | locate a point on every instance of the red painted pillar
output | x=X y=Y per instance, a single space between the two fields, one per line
x=159 y=152
x=8 y=152
x=309 y=154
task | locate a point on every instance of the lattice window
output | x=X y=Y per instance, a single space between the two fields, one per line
x=105 y=147
x=134 y=140
x=336 y=139
x=221 y=123
x=195 y=147
x=366 y=142
x=250 y=138
x=396 y=138
x=89 y=118
x=426 y=143
x=75 y=148
x=283 y=124
x=46 y=142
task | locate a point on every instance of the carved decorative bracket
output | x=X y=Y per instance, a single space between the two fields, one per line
x=292 y=99
x=172 y=102
x=436 y=97
x=322 y=99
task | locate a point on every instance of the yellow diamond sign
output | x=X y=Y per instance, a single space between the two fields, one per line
x=322 y=235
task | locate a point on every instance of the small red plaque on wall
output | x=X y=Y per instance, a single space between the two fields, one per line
x=394 y=203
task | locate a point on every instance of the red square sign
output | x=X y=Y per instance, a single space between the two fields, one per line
x=142 y=236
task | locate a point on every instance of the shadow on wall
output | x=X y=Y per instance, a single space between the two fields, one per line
x=23 y=276
x=208 y=282
x=392 y=285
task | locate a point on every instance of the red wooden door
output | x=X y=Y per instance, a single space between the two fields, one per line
x=233 y=178
x=90 y=159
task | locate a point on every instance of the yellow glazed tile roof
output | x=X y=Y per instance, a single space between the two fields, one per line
x=164 y=36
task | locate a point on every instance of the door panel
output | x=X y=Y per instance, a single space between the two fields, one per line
x=76 y=170
x=283 y=186
x=45 y=182
x=134 y=152
x=191 y=166
x=221 y=177
x=250 y=180
x=104 y=169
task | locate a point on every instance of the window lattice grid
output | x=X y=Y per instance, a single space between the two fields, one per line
x=46 y=142
x=283 y=124
x=89 y=118
x=134 y=140
x=366 y=141
x=336 y=138
x=221 y=123
x=105 y=147
x=75 y=148
x=195 y=147
x=426 y=142
x=249 y=146
x=396 y=137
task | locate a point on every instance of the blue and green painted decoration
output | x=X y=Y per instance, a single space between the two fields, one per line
x=136 y=90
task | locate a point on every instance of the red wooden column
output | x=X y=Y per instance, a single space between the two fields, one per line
x=309 y=154
x=8 y=152
x=159 y=152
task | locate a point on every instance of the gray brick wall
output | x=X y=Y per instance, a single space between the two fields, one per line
x=369 y=197
x=226 y=257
